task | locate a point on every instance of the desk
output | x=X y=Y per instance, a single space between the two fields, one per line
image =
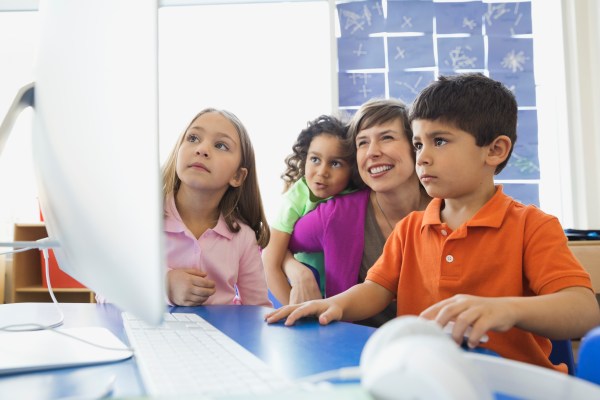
x=302 y=350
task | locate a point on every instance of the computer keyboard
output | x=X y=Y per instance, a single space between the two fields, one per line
x=186 y=355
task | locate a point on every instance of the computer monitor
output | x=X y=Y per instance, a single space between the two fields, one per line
x=95 y=147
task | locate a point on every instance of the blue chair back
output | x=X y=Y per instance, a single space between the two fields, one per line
x=562 y=352
x=588 y=367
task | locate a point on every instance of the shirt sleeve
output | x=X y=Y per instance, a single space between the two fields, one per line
x=309 y=232
x=251 y=282
x=549 y=264
x=296 y=203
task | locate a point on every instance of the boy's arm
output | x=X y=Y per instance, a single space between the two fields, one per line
x=357 y=303
x=568 y=313
x=303 y=282
x=273 y=256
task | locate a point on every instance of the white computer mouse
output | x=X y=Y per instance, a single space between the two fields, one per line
x=410 y=358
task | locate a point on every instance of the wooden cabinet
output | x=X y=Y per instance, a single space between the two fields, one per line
x=27 y=273
x=588 y=254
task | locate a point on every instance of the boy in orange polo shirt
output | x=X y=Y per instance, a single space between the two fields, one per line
x=475 y=256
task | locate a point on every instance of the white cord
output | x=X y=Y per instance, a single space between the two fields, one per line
x=17 y=251
x=51 y=326
x=345 y=374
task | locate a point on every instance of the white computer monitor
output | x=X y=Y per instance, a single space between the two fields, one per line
x=95 y=147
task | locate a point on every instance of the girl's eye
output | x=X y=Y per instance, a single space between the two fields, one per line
x=192 y=138
x=336 y=164
x=417 y=146
x=439 y=141
x=222 y=146
x=314 y=160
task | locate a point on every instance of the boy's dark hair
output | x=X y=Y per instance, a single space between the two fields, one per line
x=324 y=124
x=472 y=102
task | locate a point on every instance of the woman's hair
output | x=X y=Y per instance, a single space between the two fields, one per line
x=380 y=111
x=322 y=125
x=242 y=203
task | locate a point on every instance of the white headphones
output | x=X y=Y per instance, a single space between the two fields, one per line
x=411 y=358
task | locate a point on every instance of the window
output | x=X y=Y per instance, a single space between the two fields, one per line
x=394 y=48
x=274 y=65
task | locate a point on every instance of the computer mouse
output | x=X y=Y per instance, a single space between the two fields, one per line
x=411 y=358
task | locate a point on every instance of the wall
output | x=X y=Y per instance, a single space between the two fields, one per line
x=582 y=56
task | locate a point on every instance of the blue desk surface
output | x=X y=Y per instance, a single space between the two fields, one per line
x=298 y=351
x=304 y=349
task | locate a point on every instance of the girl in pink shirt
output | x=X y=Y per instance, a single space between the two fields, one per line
x=214 y=219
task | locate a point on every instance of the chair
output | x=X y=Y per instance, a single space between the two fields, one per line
x=562 y=352
x=588 y=367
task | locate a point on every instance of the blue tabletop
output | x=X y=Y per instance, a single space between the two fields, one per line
x=301 y=350
x=304 y=349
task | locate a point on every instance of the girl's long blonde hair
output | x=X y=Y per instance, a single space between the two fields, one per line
x=242 y=203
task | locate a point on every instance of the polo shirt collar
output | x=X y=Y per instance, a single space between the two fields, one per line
x=491 y=214
x=174 y=224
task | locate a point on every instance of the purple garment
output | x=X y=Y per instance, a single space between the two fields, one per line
x=336 y=228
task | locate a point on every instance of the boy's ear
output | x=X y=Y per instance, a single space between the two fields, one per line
x=499 y=150
x=239 y=177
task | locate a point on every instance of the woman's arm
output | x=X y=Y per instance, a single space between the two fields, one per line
x=273 y=256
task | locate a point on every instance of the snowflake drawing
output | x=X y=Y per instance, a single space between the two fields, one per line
x=495 y=11
x=407 y=22
x=523 y=164
x=359 y=52
x=469 y=23
x=414 y=89
x=356 y=76
x=459 y=58
x=354 y=21
x=365 y=91
x=514 y=61
x=400 y=53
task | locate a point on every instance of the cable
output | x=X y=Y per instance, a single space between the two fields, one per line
x=345 y=374
x=50 y=327
x=17 y=251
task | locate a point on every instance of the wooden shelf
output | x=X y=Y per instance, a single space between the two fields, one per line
x=27 y=273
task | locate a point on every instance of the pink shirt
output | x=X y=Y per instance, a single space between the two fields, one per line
x=231 y=260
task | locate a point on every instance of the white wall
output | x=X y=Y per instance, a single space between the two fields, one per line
x=582 y=60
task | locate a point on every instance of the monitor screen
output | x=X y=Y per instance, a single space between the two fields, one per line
x=95 y=147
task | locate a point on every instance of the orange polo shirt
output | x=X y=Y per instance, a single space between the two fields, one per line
x=506 y=249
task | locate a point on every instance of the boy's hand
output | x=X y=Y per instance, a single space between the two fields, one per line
x=189 y=287
x=325 y=310
x=481 y=313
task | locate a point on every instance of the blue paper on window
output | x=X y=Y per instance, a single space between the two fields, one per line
x=356 y=88
x=522 y=84
x=410 y=52
x=526 y=193
x=409 y=16
x=459 y=17
x=460 y=53
x=510 y=55
x=364 y=53
x=361 y=18
x=524 y=162
x=405 y=85
x=508 y=19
